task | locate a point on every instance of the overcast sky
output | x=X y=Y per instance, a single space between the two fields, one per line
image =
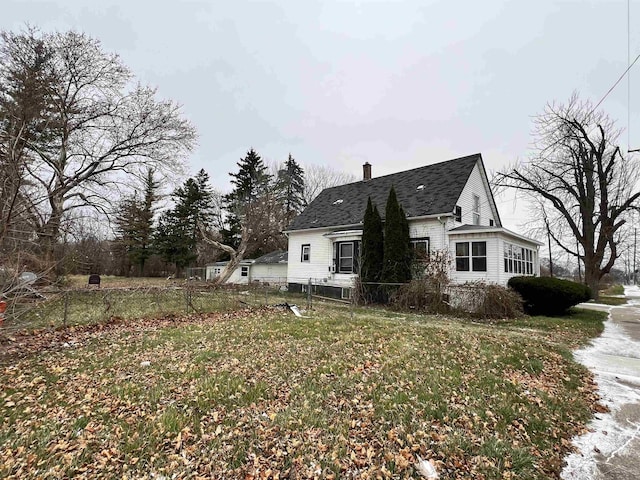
x=399 y=84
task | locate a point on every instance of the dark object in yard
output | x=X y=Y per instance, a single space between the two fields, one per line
x=94 y=279
x=292 y=307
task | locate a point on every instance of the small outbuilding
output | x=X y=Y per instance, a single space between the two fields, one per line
x=270 y=268
x=241 y=275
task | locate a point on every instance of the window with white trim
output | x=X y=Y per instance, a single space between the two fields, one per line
x=476 y=210
x=244 y=271
x=346 y=256
x=457 y=214
x=471 y=256
x=518 y=260
x=305 y=254
x=420 y=248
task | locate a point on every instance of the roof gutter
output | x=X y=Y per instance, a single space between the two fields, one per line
x=359 y=225
x=437 y=216
x=327 y=227
x=496 y=230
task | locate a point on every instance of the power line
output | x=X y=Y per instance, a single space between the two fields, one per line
x=615 y=84
x=628 y=76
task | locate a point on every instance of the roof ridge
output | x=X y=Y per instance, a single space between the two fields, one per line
x=465 y=157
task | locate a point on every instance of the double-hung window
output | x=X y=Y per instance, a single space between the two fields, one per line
x=457 y=213
x=420 y=247
x=244 y=271
x=305 y=254
x=346 y=256
x=476 y=210
x=519 y=260
x=471 y=256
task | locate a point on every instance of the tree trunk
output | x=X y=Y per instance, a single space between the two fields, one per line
x=592 y=279
x=236 y=256
x=50 y=231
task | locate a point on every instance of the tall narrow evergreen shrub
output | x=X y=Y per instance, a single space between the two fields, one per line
x=372 y=245
x=397 y=255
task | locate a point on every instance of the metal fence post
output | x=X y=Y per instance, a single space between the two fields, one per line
x=309 y=295
x=66 y=309
x=351 y=304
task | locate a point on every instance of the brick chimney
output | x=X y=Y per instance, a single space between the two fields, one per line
x=366 y=171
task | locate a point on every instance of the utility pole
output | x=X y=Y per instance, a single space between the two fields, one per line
x=578 y=255
x=546 y=222
x=635 y=237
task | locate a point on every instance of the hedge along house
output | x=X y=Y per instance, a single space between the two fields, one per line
x=449 y=205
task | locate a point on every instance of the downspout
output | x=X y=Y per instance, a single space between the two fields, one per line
x=443 y=223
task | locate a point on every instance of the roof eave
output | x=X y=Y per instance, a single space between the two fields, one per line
x=496 y=230
x=326 y=227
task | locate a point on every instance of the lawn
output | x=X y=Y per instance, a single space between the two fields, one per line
x=260 y=393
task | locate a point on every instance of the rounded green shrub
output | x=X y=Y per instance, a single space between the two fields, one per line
x=549 y=295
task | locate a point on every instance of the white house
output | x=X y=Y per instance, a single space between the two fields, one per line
x=449 y=205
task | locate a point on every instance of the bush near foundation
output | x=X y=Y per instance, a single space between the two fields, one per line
x=498 y=302
x=548 y=295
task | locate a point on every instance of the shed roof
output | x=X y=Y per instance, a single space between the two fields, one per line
x=279 y=256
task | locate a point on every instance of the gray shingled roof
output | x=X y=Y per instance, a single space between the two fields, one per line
x=276 y=257
x=345 y=205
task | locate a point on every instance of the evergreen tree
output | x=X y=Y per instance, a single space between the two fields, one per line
x=396 y=262
x=251 y=181
x=290 y=188
x=134 y=225
x=126 y=220
x=172 y=242
x=372 y=245
x=177 y=234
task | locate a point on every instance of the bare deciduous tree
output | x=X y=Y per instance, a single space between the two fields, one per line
x=99 y=128
x=581 y=182
x=319 y=177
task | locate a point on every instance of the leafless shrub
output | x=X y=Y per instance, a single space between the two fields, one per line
x=485 y=301
x=422 y=295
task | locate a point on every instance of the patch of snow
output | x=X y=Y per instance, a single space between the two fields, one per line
x=426 y=469
x=614 y=358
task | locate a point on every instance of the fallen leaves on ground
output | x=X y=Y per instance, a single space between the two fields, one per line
x=259 y=394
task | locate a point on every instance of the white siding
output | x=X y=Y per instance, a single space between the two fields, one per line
x=431 y=228
x=492 y=273
x=271 y=273
x=475 y=186
x=318 y=268
x=495 y=257
x=236 y=276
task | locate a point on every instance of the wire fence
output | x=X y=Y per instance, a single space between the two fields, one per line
x=83 y=306
x=35 y=309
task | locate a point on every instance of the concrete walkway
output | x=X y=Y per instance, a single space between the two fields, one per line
x=612 y=449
